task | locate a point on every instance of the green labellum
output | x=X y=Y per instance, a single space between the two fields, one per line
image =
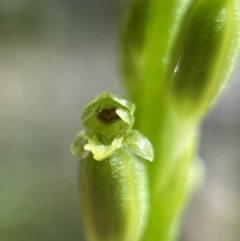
x=112 y=177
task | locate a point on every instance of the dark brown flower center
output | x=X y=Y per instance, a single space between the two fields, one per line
x=108 y=116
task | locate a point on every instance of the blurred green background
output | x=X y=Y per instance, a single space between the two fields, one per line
x=56 y=55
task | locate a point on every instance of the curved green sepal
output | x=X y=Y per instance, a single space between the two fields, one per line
x=138 y=145
x=77 y=147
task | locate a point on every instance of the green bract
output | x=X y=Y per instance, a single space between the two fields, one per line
x=112 y=178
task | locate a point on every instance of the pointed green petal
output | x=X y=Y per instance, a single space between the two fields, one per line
x=138 y=145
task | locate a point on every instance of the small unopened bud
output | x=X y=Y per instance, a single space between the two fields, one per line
x=203 y=56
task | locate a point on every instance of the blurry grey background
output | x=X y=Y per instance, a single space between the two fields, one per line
x=54 y=56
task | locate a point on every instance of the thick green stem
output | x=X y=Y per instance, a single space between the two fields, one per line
x=169 y=177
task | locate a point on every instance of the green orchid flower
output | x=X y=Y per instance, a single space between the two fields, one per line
x=113 y=183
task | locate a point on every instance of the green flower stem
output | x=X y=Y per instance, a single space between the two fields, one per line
x=170 y=182
x=174 y=73
x=147 y=36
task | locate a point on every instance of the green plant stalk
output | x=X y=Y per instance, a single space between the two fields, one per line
x=145 y=56
x=170 y=181
x=147 y=36
x=166 y=113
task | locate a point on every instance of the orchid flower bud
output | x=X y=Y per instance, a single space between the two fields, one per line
x=203 y=56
